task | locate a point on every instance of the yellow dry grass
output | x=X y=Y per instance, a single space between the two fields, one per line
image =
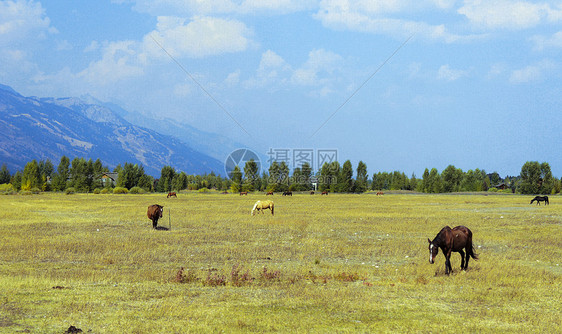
x=337 y=263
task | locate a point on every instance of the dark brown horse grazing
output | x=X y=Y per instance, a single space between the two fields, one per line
x=312 y=192
x=154 y=213
x=172 y=194
x=269 y=193
x=287 y=193
x=325 y=193
x=243 y=193
x=380 y=193
x=540 y=199
x=452 y=240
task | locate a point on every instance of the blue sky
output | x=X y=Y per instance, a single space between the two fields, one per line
x=477 y=84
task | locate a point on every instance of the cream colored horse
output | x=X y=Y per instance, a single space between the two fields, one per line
x=262 y=205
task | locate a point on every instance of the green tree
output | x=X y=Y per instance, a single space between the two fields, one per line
x=82 y=174
x=60 y=179
x=16 y=180
x=536 y=178
x=4 y=174
x=31 y=176
x=425 y=182
x=167 y=174
x=432 y=181
x=361 y=180
x=236 y=178
x=495 y=179
x=326 y=177
x=251 y=176
x=345 y=178
x=452 y=178
x=179 y=182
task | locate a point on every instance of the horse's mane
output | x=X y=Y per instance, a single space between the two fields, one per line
x=439 y=237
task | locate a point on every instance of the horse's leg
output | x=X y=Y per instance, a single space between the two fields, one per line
x=447 y=262
x=468 y=250
x=154 y=223
x=462 y=259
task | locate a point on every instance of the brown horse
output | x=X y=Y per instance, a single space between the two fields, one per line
x=325 y=193
x=312 y=192
x=262 y=205
x=269 y=193
x=243 y=193
x=154 y=213
x=452 y=240
x=380 y=193
x=172 y=194
x=287 y=193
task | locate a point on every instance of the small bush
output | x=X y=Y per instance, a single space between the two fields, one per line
x=106 y=191
x=203 y=190
x=6 y=188
x=183 y=277
x=120 y=190
x=137 y=190
x=69 y=191
x=97 y=191
x=213 y=279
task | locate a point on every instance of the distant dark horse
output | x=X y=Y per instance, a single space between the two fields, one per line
x=540 y=199
x=243 y=193
x=269 y=193
x=287 y=193
x=312 y=192
x=172 y=194
x=325 y=193
x=452 y=240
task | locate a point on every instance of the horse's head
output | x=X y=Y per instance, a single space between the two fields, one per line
x=433 y=250
x=160 y=210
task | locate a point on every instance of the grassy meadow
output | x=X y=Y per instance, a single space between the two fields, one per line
x=322 y=264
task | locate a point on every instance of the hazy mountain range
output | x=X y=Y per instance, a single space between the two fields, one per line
x=48 y=128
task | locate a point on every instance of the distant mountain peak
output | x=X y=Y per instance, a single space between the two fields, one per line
x=74 y=127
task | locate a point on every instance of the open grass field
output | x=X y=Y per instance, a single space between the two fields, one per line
x=322 y=264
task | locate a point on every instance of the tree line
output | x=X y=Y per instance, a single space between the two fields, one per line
x=83 y=175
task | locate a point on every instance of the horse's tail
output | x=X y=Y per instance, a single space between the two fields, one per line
x=272 y=208
x=470 y=249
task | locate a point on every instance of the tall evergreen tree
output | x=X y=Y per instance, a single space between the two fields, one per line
x=345 y=178
x=62 y=176
x=361 y=180
x=236 y=178
x=4 y=174
x=167 y=174
x=251 y=176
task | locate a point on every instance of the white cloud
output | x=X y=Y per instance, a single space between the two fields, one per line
x=447 y=73
x=22 y=21
x=508 y=14
x=272 y=68
x=533 y=72
x=200 y=37
x=543 y=42
x=198 y=7
x=118 y=62
x=23 y=25
x=384 y=17
x=318 y=62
